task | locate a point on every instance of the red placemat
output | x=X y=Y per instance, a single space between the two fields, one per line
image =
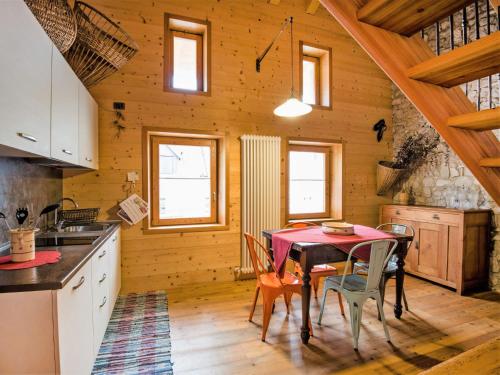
x=41 y=258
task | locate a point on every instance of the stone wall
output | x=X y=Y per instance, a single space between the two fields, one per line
x=444 y=180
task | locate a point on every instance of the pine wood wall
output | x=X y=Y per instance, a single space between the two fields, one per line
x=242 y=101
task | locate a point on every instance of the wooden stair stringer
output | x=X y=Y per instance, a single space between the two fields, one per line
x=395 y=54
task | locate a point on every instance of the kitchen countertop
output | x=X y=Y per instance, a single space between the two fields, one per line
x=56 y=275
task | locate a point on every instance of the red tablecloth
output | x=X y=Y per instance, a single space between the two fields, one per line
x=41 y=258
x=283 y=241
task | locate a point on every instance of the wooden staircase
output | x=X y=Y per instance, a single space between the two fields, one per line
x=384 y=28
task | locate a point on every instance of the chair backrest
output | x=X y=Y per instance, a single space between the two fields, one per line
x=398 y=228
x=380 y=253
x=300 y=224
x=257 y=263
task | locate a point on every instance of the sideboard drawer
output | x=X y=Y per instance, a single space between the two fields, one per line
x=424 y=215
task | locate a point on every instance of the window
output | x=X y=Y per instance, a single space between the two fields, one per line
x=186 y=174
x=309 y=181
x=315 y=82
x=187 y=58
x=314 y=188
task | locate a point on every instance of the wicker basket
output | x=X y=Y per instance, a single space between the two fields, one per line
x=387 y=176
x=57 y=19
x=101 y=46
x=78 y=216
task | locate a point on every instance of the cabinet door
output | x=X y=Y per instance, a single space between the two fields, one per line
x=64 y=124
x=25 y=81
x=432 y=249
x=88 y=130
x=115 y=269
x=100 y=293
x=74 y=320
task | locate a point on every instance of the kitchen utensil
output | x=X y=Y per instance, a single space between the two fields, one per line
x=2 y=216
x=22 y=244
x=341 y=229
x=21 y=215
x=46 y=211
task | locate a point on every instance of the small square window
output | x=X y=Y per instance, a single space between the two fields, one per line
x=315 y=75
x=187 y=55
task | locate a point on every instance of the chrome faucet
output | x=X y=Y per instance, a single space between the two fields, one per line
x=59 y=223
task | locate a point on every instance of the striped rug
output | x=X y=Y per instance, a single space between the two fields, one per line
x=137 y=340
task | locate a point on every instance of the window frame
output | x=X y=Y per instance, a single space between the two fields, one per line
x=317 y=149
x=201 y=31
x=158 y=140
x=324 y=78
x=222 y=179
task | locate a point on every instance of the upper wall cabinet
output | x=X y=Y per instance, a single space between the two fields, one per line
x=25 y=82
x=64 y=125
x=88 y=129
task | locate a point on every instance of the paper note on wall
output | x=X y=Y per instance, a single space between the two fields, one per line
x=133 y=209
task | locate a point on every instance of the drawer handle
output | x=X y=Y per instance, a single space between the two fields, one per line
x=435 y=216
x=103 y=253
x=68 y=152
x=417 y=245
x=80 y=283
x=398 y=212
x=28 y=137
x=88 y=159
x=104 y=300
x=103 y=278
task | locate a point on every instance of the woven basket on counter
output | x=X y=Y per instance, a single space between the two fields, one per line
x=101 y=46
x=57 y=19
x=78 y=216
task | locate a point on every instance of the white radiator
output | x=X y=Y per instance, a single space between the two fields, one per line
x=260 y=192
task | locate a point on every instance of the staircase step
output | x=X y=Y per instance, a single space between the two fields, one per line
x=490 y=162
x=465 y=64
x=488 y=119
x=406 y=17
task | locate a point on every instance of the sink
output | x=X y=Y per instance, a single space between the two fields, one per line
x=85 y=228
x=64 y=241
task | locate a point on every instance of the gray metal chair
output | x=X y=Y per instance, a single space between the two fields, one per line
x=357 y=289
x=361 y=268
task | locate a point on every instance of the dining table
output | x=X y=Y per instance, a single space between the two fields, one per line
x=309 y=254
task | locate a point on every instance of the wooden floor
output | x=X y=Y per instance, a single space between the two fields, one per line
x=211 y=333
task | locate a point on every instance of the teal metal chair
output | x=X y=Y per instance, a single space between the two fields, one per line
x=361 y=268
x=357 y=289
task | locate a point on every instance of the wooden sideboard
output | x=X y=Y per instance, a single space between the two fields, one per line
x=451 y=247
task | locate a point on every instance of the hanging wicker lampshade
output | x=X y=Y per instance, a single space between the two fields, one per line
x=57 y=19
x=101 y=46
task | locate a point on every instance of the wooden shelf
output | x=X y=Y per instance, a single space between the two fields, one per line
x=483 y=120
x=490 y=162
x=406 y=17
x=465 y=64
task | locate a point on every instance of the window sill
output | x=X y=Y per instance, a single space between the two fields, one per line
x=185 y=228
x=188 y=92
x=324 y=107
x=315 y=220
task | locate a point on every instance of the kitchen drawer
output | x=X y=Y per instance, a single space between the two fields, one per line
x=100 y=294
x=418 y=214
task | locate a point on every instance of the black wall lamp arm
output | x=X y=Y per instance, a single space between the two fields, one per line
x=289 y=20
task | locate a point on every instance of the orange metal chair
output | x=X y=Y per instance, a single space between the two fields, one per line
x=318 y=271
x=271 y=284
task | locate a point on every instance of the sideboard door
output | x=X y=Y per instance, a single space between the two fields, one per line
x=432 y=249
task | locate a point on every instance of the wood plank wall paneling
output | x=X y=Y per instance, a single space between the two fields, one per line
x=242 y=101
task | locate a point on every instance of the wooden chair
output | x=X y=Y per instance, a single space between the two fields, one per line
x=357 y=289
x=361 y=268
x=271 y=284
x=318 y=271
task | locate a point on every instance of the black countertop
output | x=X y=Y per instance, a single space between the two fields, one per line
x=56 y=275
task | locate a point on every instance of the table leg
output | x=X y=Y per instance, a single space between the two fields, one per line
x=400 y=276
x=306 y=297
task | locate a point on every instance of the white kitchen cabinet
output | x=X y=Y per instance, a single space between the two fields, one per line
x=88 y=130
x=60 y=331
x=64 y=109
x=74 y=324
x=25 y=82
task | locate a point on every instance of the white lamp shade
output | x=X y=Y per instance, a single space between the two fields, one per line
x=292 y=108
